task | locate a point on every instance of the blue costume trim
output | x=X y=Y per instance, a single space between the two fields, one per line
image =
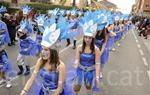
x=86 y=69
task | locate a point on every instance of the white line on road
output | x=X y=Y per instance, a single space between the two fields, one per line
x=134 y=35
x=141 y=52
x=34 y=66
x=145 y=61
x=139 y=46
x=137 y=41
x=148 y=72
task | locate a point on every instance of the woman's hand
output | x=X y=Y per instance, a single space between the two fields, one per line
x=56 y=93
x=75 y=65
x=23 y=92
x=97 y=83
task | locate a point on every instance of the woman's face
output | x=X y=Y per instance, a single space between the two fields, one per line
x=88 y=40
x=45 y=53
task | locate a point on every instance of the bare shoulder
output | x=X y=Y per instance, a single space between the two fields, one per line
x=39 y=62
x=62 y=65
x=79 y=48
x=96 y=49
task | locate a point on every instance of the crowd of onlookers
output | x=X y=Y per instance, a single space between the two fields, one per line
x=143 y=25
x=12 y=21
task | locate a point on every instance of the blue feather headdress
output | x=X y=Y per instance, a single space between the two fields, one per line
x=26 y=9
x=40 y=20
x=50 y=36
x=22 y=26
x=3 y=9
x=26 y=26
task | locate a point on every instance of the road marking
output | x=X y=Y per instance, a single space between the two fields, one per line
x=148 y=72
x=134 y=35
x=141 y=52
x=145 y=61
x=137 y=41
x=34 y=65
x=139 y=46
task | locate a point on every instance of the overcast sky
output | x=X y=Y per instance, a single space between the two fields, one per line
x=125 y=5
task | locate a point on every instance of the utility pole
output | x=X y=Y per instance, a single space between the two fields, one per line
x=74 y=3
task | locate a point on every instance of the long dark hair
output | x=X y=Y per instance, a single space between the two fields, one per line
x=101 y=34
x=116 y=23
x=92 y=46
x=54 y=60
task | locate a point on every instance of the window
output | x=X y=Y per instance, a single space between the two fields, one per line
x=147 y=5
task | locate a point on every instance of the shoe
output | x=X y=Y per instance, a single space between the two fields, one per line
x=101 y=76
x=21 y=70
x=9 y=44
x=74 y=44
x=27 y=71
x=74 y=47
x=12 y=43
x=2 y=81
x=68 y=42
x=118 y=45
x=113 y=49
x=9 y=84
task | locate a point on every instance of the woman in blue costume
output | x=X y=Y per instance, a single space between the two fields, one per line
x=118 y=31
x=73 y=19
x=6 y=69
x=50 y=68
x=87 y=62
x=125 y=28
x=27 y=45
x=121 y=25
x=101 y=42
x=111 y=37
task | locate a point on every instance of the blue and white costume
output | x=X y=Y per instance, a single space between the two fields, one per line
x=49 y=82
x=49 y=79
x=5 y=64
x=27 y=44
x=86 y=68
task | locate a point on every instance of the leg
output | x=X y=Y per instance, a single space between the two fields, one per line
x=68 y=42
x=20 y=62
x=74 y=42
x=27 y=70
x=77 y=89
x=2 y=77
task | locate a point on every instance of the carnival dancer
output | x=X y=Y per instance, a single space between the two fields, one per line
x=6 y=69
x=111 y=37
x=49 y=66
x=27 y=43
x=117 y=30
x=87 y=61
x=101 y=42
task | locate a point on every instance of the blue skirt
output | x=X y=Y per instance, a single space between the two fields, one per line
x=87 y=77
x=111 y=42
x=118 y=36
x=37 y=84
x=105 y=55
x=43 y=93
x=5 y=65
x=29 y=47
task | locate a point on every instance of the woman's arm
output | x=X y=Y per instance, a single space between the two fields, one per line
x=104 y=44
x=97 y=61
x=111 y=30
x=77 y=59
x=32 y=78
x=61 y=80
